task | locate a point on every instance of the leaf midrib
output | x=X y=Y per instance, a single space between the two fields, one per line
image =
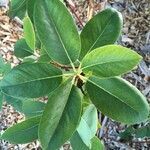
x=60 y=116
x=101 y=32
x=39 y=79
x=87 y=126
x=20 y=5
x=27 y=129
x=113 y=96
x=23 y=130
x=59 y=36
x=36 y=112
x=27 y=50
x=30 y=43
x=107 y=62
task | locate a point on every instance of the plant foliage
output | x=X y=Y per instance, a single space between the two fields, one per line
x=69 y=67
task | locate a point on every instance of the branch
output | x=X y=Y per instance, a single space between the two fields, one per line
x=90 y=9
x=65 y=67
x=144 y=141
x=72 y=8
x=103 y=126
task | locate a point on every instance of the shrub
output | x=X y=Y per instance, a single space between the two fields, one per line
x=80 y=74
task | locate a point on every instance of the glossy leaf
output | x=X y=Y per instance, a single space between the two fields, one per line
x=90 y=118
x=86 y=130
x=17 y=8
x=109 y=61
x=102 y=29
x=33 y=108
x=118 y=99
x=61 y=116
x=127 y=135
x=77 y=143
x=44 y=58
x=97 y=144
x=62 y=1
x=22 y=49
x=85 y=101
x=24 y=132
x=29 y=33
x=143 y=132
x=2 y=64
x=43 y=50
x=1 y=100
x=30 y=9
x=15 y=102
x=140 y=132
x=26 y=106
x=29 y=60
x=57 y=31
x=31 y=80
x=4 y=67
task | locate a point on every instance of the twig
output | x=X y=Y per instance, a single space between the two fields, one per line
x=18 y=21
x=102 y=128
x=65 y=67
x=90 y=9
x=144 y=141
x=72 y=8
x=132 y=141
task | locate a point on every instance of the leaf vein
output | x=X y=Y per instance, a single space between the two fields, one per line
x=39 y=79
x=113 y=95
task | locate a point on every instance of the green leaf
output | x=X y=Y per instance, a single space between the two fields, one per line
x=130 y=133
x=42 y=50
x=29 y=33
x=143 y=132
x=127 y=135
x=33 y=108
x=29 y=60
x=77 y=143
x=118 y=99
x=2 y=64
x=88 y=124
x=60 y=117
x=109 y=61
x=1 y=100
x=4 y=67
x=15 y=102
x=30 y=9
x=28 y=107
x=31 y=80
x=86 y=99
x=17 y=8
x=57 y=31
x=86 y=130
x=91 y=119
x=24 y=132
x=97 y=144
x=22 y=49
x=62 y=1
x=102 y=29
x=44 y=58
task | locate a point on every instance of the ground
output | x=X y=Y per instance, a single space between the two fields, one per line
x=135 y=35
